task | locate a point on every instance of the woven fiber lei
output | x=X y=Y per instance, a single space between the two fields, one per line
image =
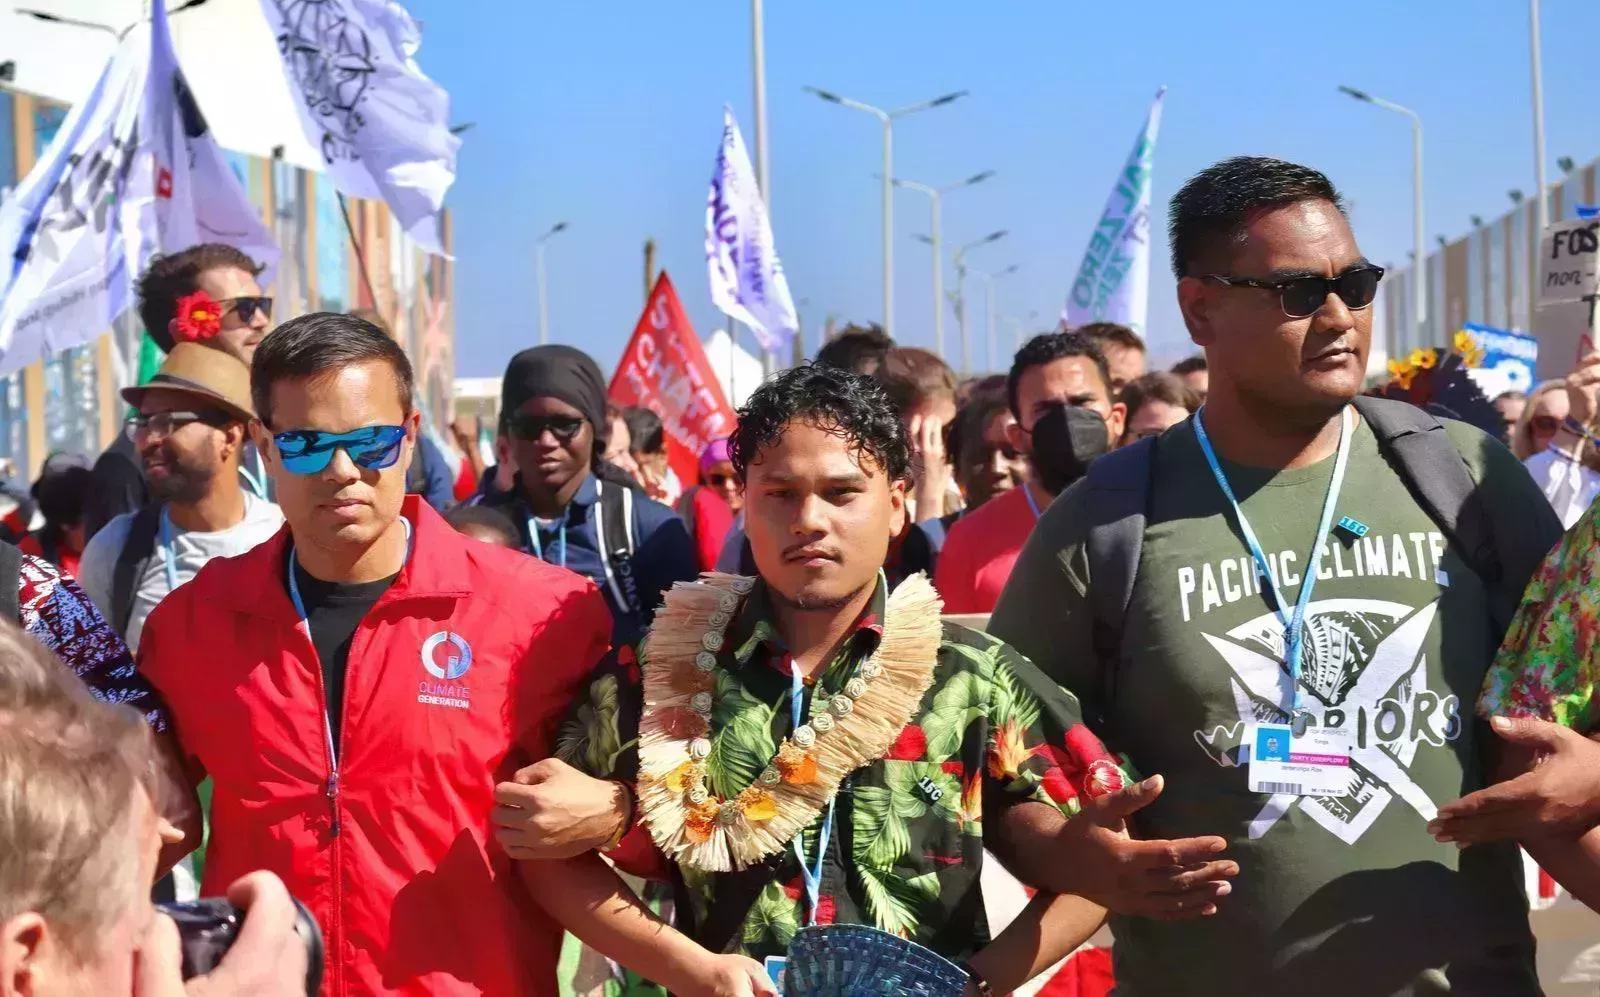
x=859 y=724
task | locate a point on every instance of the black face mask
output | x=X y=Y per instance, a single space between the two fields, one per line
x=1066 y=440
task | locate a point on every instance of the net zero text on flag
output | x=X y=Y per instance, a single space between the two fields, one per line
x=1113 y=281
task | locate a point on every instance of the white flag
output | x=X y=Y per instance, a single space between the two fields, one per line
x=747 y=281
x=383 y=127
x=1113 y=282
x=132 y=172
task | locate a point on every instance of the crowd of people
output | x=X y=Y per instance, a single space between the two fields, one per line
x=1271 y=673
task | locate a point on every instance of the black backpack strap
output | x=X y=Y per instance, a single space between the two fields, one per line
x=614 y=532
x=136 y=552
x=1119 y=497
x=1433 y=469
x=10 y=583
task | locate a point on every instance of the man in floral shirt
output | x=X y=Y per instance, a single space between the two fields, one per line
x=987 y=749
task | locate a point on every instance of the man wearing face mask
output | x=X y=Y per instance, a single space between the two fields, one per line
x=1059 y=390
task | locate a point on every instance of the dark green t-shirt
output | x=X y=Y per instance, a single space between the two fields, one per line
x=1346 y=895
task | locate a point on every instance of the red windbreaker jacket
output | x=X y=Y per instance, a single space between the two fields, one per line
x=457 y=677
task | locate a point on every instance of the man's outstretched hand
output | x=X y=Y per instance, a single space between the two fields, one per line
x=1169 y=880
x=1559 y=795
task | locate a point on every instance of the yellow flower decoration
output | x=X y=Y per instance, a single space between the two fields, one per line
x=1423 y=359
x=1465 y=344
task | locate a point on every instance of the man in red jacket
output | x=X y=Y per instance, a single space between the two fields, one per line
x=355 y=686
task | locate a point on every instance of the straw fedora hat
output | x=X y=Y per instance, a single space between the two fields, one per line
x=212 y=375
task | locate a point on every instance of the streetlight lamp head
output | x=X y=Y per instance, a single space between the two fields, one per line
x=1357 y=94
x=948 y=98
x=831 y=98
x=558 y=227
x=979 y=177
x=923 y=239
x=995 y=236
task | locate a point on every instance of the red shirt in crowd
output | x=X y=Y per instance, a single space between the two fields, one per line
x=456 y=677
x=979 y=551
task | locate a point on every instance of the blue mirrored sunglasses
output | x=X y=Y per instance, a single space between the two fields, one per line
x=310 y=451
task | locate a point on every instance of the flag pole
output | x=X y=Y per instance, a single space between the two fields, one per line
x=361 y=257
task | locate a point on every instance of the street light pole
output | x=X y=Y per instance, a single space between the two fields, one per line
x=935 y=194
x=758 y=71
x=1541 y=209
x=886 y=118
x=961 y=292
x=1419 y=276
x=538 y=266
x=988 y=301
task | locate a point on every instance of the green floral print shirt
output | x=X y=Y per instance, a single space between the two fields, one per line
x=906 y=847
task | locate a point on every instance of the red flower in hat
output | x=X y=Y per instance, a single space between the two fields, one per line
x=199 y=317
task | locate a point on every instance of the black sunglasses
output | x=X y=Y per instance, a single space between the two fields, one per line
x=1302 y=296
x=247 y=308
x=530 y=427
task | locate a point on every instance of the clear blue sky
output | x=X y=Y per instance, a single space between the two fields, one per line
x=608 y=116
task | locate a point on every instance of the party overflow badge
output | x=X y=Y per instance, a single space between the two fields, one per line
x=1316 y=763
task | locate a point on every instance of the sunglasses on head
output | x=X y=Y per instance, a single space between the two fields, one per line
x=310 y=451
x=1302 y=296
x=1544 y=424
x=530 y=427
x=247 y=307
x=719 y=480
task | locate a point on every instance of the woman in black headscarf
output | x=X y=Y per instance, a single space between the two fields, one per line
x=569 y=504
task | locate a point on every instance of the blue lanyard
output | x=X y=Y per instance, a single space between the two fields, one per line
x=538 y=545
x=168 y=557
x=1027 y=493
x=812 y=876
x=1293 y=626
x=257 y=479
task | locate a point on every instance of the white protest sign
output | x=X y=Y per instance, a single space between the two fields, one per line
x=1568 y=255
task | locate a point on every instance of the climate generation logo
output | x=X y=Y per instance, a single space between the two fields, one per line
x=447 y=657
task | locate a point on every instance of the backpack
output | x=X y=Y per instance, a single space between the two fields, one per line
x=1413 y=442
x=136 y=552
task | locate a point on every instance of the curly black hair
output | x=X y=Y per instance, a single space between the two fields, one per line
x=853 y=406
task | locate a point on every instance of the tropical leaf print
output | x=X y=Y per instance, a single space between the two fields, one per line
x=960 y=701
x=897 y=903
x=1013 y=703
x=743 y=743
x=884 y=814
x=775 y=915
x=590 y=739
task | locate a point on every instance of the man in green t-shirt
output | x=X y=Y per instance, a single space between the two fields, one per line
x=1341 y=889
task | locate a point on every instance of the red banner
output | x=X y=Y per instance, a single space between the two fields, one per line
x=665 y=370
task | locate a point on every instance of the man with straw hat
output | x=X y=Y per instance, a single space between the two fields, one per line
x=190 y=427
